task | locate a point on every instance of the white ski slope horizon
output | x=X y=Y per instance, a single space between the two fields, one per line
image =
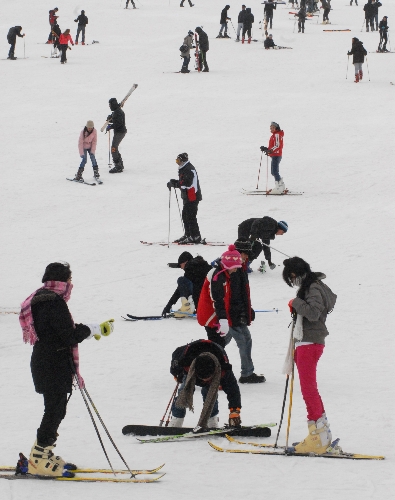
x=338 y=150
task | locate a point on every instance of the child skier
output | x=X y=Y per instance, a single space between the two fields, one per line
x=87 y=145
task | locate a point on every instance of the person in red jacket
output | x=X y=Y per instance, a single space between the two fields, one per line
x=275 y=151
x=64 y=40
x=52 y=20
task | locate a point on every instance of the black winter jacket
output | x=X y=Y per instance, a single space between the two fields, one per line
x=51 y=357
x=189 y=183
x=13 y=33
x=357 y=51
x=203 y=40
x=182 y=359
x=375 y=7
x=224 y=15
x=248 y=19
x=269 y=43
x=383 y=26
x=369 y=10
x=82 y=20
x=118 y=119
x=264 y=229
x=241 y=16
x=269 y=7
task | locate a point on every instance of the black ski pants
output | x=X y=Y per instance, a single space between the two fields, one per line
x=131 y=1
x=55 y=404
x=189 y=214
x=383 y=38
x=301 y=25
x=203 y=60
x=269 y=19
x=370 y=20
x=325 y=17
x=248 y=31
x=214 y=336
x=63 y=50
x=11 y=53
x=116 y=156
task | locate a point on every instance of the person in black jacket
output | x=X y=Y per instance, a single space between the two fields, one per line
x=269 y=43
x=264 y=229
x=375 y=9
x=191 y=194
x=301 y=15
x=56 y=32
x=82 y=21
x=11 y=39
x=369 y=15
x=224 y=22
x=203 y=48
x=270 y=6
x=205 y=364
x=47 y=325
x=248 y=20
x=240 y=22
x=117 y=123
x=383 y=28
x=190 y=285
x=358 y=52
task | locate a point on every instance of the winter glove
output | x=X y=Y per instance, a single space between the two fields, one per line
x=173 y=183
x=166 y=310
x=272 y=266
x=109 y=127
x=106 y=328
x=234 y=417
x=290 y=305
x=179 y=378
x=264 y=149
x=223 y=327
x=95 y=331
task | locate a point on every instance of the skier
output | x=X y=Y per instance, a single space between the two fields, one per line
x=224 y=22
x=369 y=15
x=64 y=40
x=248 y=20
x=225 y=310
x=269 y=43
x=47 y=325
x=264 y=229
x=189 y=1
x=11 y=39
x=326 y=5
x=268 y=12
x=205 y=364
x=313 y=302
x=191 y=194
x=301 y=15
x=132 y=2
x=240 y=21
x=275 y=151
x=356 y=2
x=383 y=28
x=203 y=48
x=190 y=285
x=52 y=19
x=82 y=21
x=358 y=53
x=87 y=145
x=185 y=54
x=117 y=123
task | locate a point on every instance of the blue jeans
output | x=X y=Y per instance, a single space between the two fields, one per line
x=181 y=412
x=185 y=286
x=224 y=26
x=12 y=50
x=80 y=29
x=276 y=167
x=185 y=64
x=85 y=156
x=242 y=336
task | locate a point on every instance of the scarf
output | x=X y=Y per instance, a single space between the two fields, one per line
x=26 y=321
x=185 y=398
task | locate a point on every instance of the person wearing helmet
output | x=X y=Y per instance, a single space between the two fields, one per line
x=186 y=53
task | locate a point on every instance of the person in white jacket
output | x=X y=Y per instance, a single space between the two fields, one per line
x=87 y=145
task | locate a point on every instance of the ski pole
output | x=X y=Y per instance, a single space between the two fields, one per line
x=267 y=175
x=267 y=310
x=168 y=405
x=109 y=149
x=367 y=65
x=179 y=211
x=291 y=390
x=363 y=22
x=24 y=55
x=272 y=248
x=259 y=171
x=294 y=26
x=282 y=410
x=348 y=58
x=233 y=27
x=168 y=235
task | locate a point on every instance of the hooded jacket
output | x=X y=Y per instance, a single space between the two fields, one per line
x=269 y=7
x=203 y=40
x=224 y=14
x=189 y=183
x=276 y=143
x=13 y=33
x=188 y=41
x=357 y=51
x=87 y=141
x=248 y=19
x=117 y=117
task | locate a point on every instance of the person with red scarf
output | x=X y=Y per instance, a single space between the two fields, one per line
x=64 y=40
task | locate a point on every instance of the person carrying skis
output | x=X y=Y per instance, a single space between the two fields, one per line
x=186 y=53
x=301 y=15
x=240 y=22
x=203 y=48
x=247 y=26
x=191 y=194
x=269 y=43
x=358 y=53
x=64 y=40
x=47 y=325
x=132 y=2
x=383 y=29
x=205 y=364
x=225 y=310
x=82 y=21
x=326 y=5
x=270 y=6
x=369 y=15
x=224 y=22
x=87 y=145
x=52 y=19
x=313 y=302
x=275 y=151
x=11 y=39
x=189 y=286
x=117 y=123
x=263 y=229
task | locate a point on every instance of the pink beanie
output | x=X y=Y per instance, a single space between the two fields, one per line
x=231 y=258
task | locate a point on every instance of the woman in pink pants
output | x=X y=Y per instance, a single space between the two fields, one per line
x=313 y=302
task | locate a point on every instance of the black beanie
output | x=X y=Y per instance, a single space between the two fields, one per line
x=184 y=257
x=204 y=366
x=243 y=245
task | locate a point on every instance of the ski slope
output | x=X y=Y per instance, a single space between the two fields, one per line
x=338 y=150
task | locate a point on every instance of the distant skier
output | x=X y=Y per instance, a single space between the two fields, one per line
x=11 y=39
x=87 y=145
x=375 y=10
x=64 y=40
x=275 y=151
x=224 y=22
x=326 y=5
x=188 y=45
x=356 y=2
x=56 y=32
x=191 y=194
x=203 y=48
x=369 y=9
x=132 y=2
x=269 y=43
x=358 y=52
x=247 y=26
x=240 y=21
x=301 y=15
x=383 y=29
x=52 y=19
x=189 y=1
x=82 y=21
x=117 y=123
x=270 y=6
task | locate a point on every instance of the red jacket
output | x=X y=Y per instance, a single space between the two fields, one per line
x=65 y=39
x=52 y=16
x=276 y=143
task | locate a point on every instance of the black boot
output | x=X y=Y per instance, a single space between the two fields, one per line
x=78 y=175
x=96 y=174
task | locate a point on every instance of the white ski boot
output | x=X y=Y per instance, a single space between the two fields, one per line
x=43 y=462
x=281 y=185
x=176 y=422
x=276 y=189
x=318 y=439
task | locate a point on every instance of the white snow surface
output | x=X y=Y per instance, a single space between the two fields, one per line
x=338 y=150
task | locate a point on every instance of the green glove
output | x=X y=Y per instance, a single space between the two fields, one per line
x=107 y=327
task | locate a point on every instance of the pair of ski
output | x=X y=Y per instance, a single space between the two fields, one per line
x=99 y=181
x=203 y=242
x=269 y=193
x=130 y=317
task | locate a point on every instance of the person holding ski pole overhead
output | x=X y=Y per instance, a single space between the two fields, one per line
x=117 y=123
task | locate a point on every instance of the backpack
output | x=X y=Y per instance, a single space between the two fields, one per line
x=184 y=48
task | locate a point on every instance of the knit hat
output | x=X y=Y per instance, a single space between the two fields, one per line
x=184 y=257
x=274 y=124
x=231 y=259
x=183 y=157
x=204 y=366
x=90 y=124
x=282 y=225
x=243 y=245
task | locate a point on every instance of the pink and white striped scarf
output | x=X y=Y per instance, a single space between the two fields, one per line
x=26 y=321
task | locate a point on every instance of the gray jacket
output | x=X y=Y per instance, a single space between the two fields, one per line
x=319 y=301
x=187 y=41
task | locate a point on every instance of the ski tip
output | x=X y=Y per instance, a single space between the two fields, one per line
x=215 y=446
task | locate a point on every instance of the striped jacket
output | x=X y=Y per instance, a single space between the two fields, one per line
x=276 y=143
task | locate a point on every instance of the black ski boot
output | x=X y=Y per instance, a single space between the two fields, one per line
x=78 y=175
x=96 y=174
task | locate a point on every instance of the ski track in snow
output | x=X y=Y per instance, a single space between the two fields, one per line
x=338 y=149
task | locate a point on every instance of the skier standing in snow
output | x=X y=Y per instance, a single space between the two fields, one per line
x=132 y=2
x=191 y=194
x=203 y=48
x=247 y=26
x=52 y=19
x=326 y=5
x=117 y=123
x=313 y=302
x=269 y=43
x=224 y=22
x=87 y=145
x=47 y=325
x=240 y=21
x=82 y=21
x=189 y=1
x=225 y=310
x=205 y=364
x=11 y=39
x=275 y=151
x=369 y=15
x=383 y=28
x=190 y=285
x=264 y=229
x=188 y=45
x=270 y=6
x=301 y=15
x=358 y=53
x=64 y=40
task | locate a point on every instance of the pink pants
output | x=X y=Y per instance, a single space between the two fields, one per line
x=306 y=360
